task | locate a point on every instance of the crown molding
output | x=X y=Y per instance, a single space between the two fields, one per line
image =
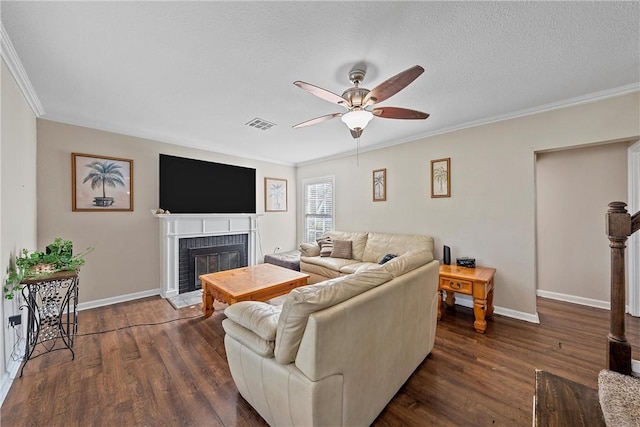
x=196 y=144
x=565 y=103
x=571 y=102
x=14 y=65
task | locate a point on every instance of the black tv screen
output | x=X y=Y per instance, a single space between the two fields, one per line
x=198 y=186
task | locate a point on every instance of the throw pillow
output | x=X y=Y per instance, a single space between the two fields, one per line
x=341 y=249
x=386 y=258
x=326 y=246
x=326 y=249
x=309 y=249
x=321 y=241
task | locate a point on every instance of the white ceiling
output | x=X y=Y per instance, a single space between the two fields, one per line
x=194 y=73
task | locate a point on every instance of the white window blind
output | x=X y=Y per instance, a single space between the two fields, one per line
x=318 y=207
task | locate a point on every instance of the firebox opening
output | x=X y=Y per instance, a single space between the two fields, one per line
x=210 y=254
x=213 y=259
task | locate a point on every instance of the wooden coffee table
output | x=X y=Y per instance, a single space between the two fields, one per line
x=254 y=283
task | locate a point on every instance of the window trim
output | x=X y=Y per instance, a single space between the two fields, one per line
x=303 y=210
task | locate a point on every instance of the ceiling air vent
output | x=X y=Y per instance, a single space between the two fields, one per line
x=260 y=124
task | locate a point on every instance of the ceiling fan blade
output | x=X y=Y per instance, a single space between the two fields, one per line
x=395 y=84
x=322 y=93
x=355 y=133
x=399 y=113
x=317 y=120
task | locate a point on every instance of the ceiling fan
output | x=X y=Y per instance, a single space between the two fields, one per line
x=357 y=100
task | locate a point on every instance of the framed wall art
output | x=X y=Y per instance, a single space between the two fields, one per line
x=441 y=178
x=379 y=185
x=275 y=195
x=101 y=183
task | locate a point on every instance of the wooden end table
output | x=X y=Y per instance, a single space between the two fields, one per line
x=477 y=282
x=254 y=283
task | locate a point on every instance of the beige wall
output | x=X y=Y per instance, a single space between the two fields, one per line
x=126 y=259
x=491 y=214
x=18 y=197
x=573 y=189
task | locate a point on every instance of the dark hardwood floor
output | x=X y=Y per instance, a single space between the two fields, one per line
x=175 y=373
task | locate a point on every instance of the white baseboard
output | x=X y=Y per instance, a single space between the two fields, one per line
x=114 y=300
x=10 y=375
x=467 y=301
x=606 y=305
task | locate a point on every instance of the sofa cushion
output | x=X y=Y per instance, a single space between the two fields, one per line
x=331 y=263
x=309 y=249
x=305 y=300
x=259 y=317
x=244 y=336
x=358 y=241
x=380 y=244
x=312 y=265
x=341 y=249
x=328 y=262
x=357 y=267
x=408 y=261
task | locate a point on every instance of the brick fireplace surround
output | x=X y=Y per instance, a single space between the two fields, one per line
x=174 y=227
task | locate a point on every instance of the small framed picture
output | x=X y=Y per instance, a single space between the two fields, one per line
x=275 y=195
x=101 y=183
x=441 y=178
x=379 y=185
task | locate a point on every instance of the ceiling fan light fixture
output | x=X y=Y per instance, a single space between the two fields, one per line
x=357 y=119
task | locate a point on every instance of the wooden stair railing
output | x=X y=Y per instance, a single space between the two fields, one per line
x=560 y=402
x=619 y=226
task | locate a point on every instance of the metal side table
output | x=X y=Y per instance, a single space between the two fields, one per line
x=52 y=317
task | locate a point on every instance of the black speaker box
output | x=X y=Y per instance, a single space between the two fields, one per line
x=446 y=257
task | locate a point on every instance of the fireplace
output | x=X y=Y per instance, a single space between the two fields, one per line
x=176 y=227
x=211 y=260
x=202 y=255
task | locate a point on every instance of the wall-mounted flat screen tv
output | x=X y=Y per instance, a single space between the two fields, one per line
x=198 y=186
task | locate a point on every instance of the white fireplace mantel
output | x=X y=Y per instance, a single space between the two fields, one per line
x=174 y=227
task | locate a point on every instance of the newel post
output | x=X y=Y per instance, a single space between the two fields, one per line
x=618 y=228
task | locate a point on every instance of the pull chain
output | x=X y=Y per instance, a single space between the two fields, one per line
x=358 y=151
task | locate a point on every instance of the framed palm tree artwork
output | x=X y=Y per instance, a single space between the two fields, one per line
x=379 y=185
x=275 y=195
x=101 y=183
x=441 y=178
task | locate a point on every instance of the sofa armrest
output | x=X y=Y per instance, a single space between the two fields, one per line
x=259 y=317
x=248 y=338
x=253 y=324
x=309 y=249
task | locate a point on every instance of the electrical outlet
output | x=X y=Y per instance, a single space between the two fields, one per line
x=15 y=320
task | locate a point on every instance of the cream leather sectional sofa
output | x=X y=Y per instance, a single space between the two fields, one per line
x=367 y=250
x=336 y=352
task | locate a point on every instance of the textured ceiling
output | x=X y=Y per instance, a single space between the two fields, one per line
x=193 y=73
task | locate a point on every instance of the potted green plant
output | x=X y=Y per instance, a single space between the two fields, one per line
x=58 y=256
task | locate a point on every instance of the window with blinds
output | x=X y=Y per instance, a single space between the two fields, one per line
x=318 y=207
